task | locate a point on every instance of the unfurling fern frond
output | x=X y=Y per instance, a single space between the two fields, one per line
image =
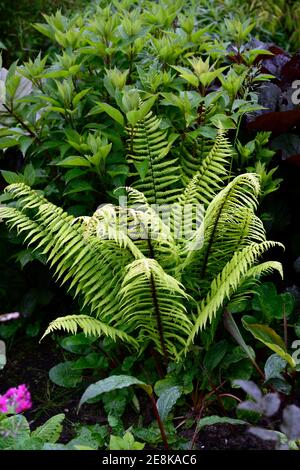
x=228 y=281
x=148 y=149
x=90 y=327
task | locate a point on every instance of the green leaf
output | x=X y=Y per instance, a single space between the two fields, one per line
x=274 y=367
x=78 y=344
x=212 y=420
x=12 y=429
x=29 y=175
x=167 y=400
x=78 y=187
x=11 y=178
x=126 y=442
x=138 y=115
x=142 y=168
x=6 y=142
x=78 y=97
x=113 y=382
x=187 y=75
x=91 y=361
x=64 y=375
x=269 y=337
x=74 y=161
x=233 y=329
x=223 y=120
x=110 y=110
x=51 y=430
x=215 y=355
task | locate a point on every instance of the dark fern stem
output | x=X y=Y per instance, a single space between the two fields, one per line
x=159 y=321
x=211 y=240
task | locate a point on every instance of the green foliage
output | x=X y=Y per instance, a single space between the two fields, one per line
x=17 y=35
x=269 y=337
x=146 y=301
x=109 y=105
x=15 y=433
x=113 y=382
x=167 y=400
x=136 y=99
x=126 y=442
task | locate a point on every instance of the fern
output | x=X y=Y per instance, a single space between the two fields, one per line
x=191 y=153
x=228 y=281
x=210 y=174
x=153 y=301
x=90 y=327
x=157 y=290
x=148 y=148
x=230 y=224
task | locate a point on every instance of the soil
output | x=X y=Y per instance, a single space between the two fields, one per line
x=230 y=437
x=29 y=362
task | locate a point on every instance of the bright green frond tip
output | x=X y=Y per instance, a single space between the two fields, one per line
x=90 y=327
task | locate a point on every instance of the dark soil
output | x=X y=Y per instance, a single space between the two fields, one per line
x=230 y=437
x=29 y=362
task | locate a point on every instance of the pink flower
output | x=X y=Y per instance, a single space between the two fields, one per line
x=15 y=400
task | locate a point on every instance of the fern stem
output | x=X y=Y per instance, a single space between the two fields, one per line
x=210 y=243
x=160 y=327
x=159 y=322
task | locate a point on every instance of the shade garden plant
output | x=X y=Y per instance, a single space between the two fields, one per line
x=139 y=170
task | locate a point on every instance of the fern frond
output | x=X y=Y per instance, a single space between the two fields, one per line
x=253 y=278
x=227 y=283
x=159 y=240
x=87 y=263
x=210 y=174
x=152 y=304
x=112 y=223
x=191 y=153
x=229 y=225
x=149 y=146
x=90 y=327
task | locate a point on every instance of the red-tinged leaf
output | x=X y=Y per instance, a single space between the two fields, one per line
x=291 y=70
x=277 y=122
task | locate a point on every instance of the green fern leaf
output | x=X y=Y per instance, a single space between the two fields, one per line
x=149 y=146
x=227 y=283
x=90 y=327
